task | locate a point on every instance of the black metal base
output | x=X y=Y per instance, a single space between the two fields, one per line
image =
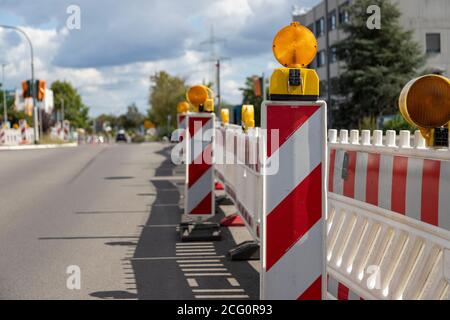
x=200 y=231
x=248 y=250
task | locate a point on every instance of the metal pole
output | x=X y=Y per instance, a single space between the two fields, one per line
x=218 y=87
x=62 y=110
x=5 y=112
x=33 y=85
x=327 y=43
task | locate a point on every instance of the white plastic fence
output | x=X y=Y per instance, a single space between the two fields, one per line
x=238 y=167
x=13 y=137
x=388 y=224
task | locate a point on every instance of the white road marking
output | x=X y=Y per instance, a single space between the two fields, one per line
x=203 y=269
x=194 y=247
x=192 y=282
x=193 y=243
x=233 y=282
x=244 y=296
x=196 y=254
x=198 y=261
x=170 y=258
x=196 y=250
x=216 y=290
x=206 y=274
x=202 y=265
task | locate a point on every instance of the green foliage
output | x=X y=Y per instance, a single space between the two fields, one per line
x=166 y=92
x=13 y=115
x=398 y=123
x=133 y=119
x=74 y=109
x=378 y=63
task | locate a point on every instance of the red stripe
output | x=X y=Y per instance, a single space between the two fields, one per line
x=194 y=124
x=286 y=119
x=294 y=216
x=314 y=292
x=331 y=172
x=430 y=191
x=373 y=174
x=342 y=292
x=398 y=194
x=204 y=207
x=198 y=167
x=349 y=183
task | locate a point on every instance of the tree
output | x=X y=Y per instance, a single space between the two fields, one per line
x=378 y=63
x=74 y=109
x=166 y=92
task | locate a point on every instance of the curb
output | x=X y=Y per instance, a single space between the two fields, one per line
x=38 y=147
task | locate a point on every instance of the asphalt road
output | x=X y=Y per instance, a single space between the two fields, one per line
x=112 y=211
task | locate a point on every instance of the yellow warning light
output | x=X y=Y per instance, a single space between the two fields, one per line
x=183 y=107
x=197 y=95
x=225 y=116
x=209 y=105
x=294 y=47
x=425 y=103
x=248 y=116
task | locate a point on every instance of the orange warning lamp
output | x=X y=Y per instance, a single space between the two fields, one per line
x=183 y=107
x=200 y=97
x=425 y=102
x=294 y=47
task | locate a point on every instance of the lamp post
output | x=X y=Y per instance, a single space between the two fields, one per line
x=5 y=112
x=33 y=85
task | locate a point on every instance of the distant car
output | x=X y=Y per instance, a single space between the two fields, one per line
x=121 y=136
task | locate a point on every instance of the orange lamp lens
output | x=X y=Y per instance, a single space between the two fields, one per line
x=197 y=94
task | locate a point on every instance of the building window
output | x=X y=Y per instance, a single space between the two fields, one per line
x=311 y=27
x=333 y=55
x=332 y=20
x=321 y=59
x=344 y=15
x=433 y=42
x=320 y=27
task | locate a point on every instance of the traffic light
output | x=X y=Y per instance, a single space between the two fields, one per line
x=425 y=102
x=26 y=89
x=294 y=47
x=40 y=85
x=257 y=86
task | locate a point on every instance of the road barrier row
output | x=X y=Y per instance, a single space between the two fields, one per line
x=15 y=137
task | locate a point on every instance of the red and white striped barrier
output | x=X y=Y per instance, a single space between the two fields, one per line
x=181 y=125
x=293 y=261
x=199 y=190
x=388 y=223
x=15 y=137
x=2 y=136
x=23 y=131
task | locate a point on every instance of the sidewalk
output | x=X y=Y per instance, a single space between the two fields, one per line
x=38 y=147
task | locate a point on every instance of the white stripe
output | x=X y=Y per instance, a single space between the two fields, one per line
x=333 y=286
x=298 y=157
x=187 y=244
x=414 y=188
x=203 y=269
x=297 y=269
x=222 y=297
x=233 y=282
x=353 y=296
x=192 y=282
x=360 y=176
x=197 y=142
x=444 y=196
x=195 y=250
x=216 y=290
x=338 y=182
x=170 y=258
x=207 y=274
x=196 y=254
x=202 y=265
x=197 y=261
x=202 y=187
x=385 y=181
x=194 y=247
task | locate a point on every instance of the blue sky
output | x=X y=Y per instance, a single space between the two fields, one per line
x=121 y=43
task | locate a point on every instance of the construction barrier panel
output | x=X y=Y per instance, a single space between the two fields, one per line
x=199 y=188
x=388 y=234
x=15 y=137
x=238 y=168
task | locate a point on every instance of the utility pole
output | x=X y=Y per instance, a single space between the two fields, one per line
x=5 y=111
x=327 y=44
x=62 y=110
x=33 y=85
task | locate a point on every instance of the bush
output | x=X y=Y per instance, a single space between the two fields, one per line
x=138 y=139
